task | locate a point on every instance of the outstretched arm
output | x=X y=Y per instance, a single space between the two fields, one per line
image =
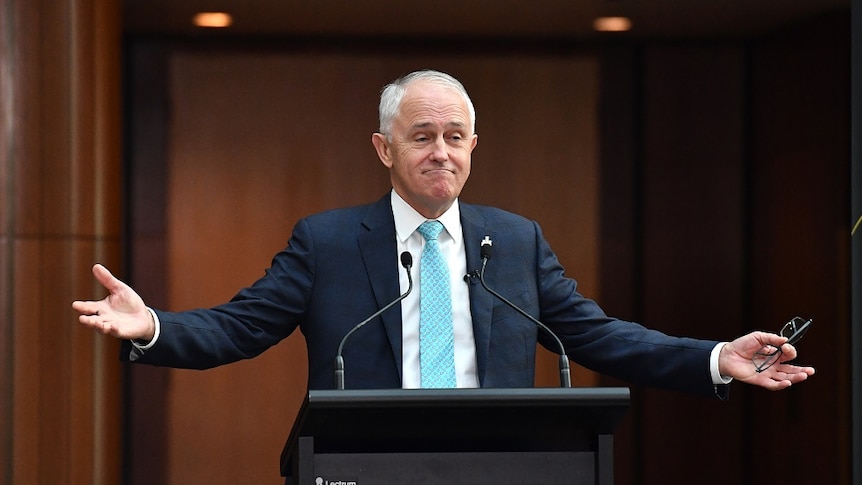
x=121 y=314
x=735 y=361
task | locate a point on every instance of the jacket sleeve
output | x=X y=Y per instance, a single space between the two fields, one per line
x=622 y=349
x=255 y=319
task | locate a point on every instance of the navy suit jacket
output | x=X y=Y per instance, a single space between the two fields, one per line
x=342 y=265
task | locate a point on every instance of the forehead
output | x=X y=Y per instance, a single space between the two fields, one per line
x=427 y=102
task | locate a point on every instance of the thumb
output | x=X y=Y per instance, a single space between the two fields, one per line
x=771 y=339
x=108 y=280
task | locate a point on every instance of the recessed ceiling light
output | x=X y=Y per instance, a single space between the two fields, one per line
x=612 y=24
x=212 y=19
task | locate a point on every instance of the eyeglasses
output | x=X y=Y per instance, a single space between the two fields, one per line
x=769 y=354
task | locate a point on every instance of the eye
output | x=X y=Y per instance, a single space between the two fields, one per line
x=456 y=137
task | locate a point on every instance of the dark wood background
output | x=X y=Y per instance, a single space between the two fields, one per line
x=699 y=188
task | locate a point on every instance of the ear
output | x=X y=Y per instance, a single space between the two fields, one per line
x=381 y=144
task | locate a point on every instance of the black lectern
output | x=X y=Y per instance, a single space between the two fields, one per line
x=455 y=436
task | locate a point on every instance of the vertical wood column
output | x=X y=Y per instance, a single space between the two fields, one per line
x=693 y=243
x=799 y=241
x=673 y=248
x=60 y=385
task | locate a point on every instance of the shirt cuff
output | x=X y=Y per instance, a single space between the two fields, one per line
x=717 y=378
x=138 y=347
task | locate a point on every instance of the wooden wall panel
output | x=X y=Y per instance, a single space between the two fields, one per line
x=693 y=197
x=145 y=452
x=60 y=417
x=621 y=259
x=60 y=158
x=800 y=237
x=258 y=141
x=692 y=247
x=718 y=143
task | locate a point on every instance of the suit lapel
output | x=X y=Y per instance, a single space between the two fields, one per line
x=377 y=244
x=474 y=226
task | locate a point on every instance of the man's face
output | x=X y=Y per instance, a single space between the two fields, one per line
x=429 y=155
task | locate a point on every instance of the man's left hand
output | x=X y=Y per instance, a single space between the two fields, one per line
x=735 y=360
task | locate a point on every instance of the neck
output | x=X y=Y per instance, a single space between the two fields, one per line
x=428 y=212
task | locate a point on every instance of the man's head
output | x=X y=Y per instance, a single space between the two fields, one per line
x=427 y=135
x=392 y=93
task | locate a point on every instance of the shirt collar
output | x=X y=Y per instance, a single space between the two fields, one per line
x=407 y=220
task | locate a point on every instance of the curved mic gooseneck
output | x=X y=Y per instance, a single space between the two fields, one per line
x=407 y=263
x=565 y=372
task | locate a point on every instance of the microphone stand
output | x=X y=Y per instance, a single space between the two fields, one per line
x=407 y=262
x=565 y=372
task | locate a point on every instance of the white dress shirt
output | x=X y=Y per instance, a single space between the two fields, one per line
x=451 y=240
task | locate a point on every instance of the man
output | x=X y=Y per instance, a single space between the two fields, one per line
x=344 y=264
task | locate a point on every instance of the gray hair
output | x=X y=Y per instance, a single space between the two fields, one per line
x=393 y=93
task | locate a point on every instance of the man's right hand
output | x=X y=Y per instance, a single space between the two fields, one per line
x=121 y=314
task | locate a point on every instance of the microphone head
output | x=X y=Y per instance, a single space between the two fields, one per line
x=407 y=259
x=485 y=251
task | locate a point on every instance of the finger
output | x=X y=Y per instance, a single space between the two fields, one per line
x=92 y=321
x=99 y=323
x=796 y=369
x=779 y=385
x=788 y=352
x=87 y=307
x=782 y=380
x=797 y=377
x=772 y=339
x=772 y=383
x=108 y=280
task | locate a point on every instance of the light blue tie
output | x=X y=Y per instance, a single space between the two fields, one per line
x=436 y=337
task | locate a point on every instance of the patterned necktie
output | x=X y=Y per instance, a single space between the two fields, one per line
x=436 y=337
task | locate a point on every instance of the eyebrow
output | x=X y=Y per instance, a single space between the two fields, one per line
x=451 y=124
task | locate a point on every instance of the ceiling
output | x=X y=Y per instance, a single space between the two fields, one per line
x=475 y=18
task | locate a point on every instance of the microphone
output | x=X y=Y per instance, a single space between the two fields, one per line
x=485 y=251
x=407 y=262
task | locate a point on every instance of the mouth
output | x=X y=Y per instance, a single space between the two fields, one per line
x=438 y=170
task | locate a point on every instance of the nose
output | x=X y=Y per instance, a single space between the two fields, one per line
x=439 y=151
